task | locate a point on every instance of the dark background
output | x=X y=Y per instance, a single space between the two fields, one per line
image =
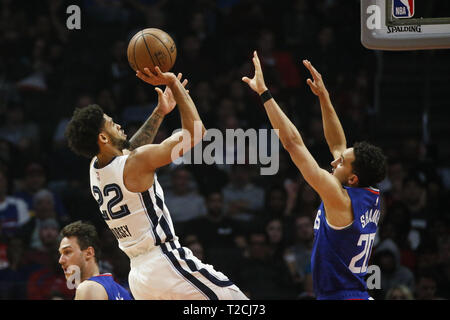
x=47 y=70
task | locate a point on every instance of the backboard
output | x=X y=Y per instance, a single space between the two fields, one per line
x=405 y=24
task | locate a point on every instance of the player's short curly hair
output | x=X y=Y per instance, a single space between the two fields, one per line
x=83 y=129
x=369 y=165
x=86 y=235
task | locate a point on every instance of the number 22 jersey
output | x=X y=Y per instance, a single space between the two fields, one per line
x=139 y=220
x=340 y=256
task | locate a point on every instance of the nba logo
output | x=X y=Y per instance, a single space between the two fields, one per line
x=403 y=8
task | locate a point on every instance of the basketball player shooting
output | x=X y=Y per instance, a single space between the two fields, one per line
x=347 y=219
x=131 y=201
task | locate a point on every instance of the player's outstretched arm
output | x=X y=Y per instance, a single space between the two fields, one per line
x=188 y=112
x=147 y=132
x=334 y=133
x=143 y=161
x=320 y=180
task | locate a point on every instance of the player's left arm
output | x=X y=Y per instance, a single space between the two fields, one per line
x=91 y=290
x=147 y=132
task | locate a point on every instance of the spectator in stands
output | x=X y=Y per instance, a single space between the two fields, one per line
x=276 y=284
x=13 y=211
x=13 y=278
x=35 y=180
x=44 y=210
x=41 y=254
x=399 y=292
x=241 y=197
x=183 y=201
x=298 y=256
x=387 y=257
x=276 y=239
x=427 y=286
x=23 y=134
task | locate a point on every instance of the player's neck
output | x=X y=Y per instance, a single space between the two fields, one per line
x=91 y=271
x=106 y=155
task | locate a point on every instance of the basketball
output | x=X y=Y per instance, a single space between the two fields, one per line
x=151 y=47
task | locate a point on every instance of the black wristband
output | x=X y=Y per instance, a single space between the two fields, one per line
x=265 y=96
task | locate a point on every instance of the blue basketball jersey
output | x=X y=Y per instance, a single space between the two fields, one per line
x=340 y=256
x=114 y=290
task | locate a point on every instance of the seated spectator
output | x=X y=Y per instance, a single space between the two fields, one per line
x=82 y=100
x=35 y=179
x=399 y=292
x=49 y=281
x=13 y=211
x=242 y=198
x=275 y=236
x=427 y=286
x=22 y=134
x=414 y=196
x=387 y=257
x=298 y=256
x=44 y=209
x=214 y=229
x=262 y=277
x=48 y=236
x=275 y=203
x=142 y=108
x=217 y=235
x=13 y=278
x=182 y=201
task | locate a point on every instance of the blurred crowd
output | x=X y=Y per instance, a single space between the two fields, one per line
x=256 y=229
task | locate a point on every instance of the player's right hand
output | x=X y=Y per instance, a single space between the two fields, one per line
x=156 y=77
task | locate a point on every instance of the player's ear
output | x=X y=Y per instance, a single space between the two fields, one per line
x=103 y=138
x=89 y=252
x=353 y=180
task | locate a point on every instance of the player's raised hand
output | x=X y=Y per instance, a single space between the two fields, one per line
x=166 y=100
x=156 y=77
x=257 y=83
x=317 y=86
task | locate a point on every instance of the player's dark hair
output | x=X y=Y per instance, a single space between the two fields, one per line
x=83 y=129
x=369 y=164
x=86 y=235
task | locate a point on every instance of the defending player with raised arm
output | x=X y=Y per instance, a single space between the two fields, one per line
x=347 y=218
x=79 y=250
x=131 y=200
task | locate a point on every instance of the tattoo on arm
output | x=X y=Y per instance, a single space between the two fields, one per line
x=147 y=132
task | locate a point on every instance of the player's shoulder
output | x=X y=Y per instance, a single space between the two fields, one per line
x=91 y=290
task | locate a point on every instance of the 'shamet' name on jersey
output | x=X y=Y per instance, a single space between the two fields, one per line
x=121 y=232
x=370 y=216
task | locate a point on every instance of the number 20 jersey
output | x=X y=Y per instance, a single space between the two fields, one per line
x=139 y=220
x=340 y=256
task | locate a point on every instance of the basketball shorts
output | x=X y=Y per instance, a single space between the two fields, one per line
x=172 y=272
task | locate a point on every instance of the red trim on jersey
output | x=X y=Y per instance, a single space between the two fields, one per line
x=373 y=191
x=104 y=275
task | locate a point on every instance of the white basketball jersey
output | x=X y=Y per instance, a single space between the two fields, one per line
x=139 y=221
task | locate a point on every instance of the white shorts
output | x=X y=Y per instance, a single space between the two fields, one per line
x=172 y=272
